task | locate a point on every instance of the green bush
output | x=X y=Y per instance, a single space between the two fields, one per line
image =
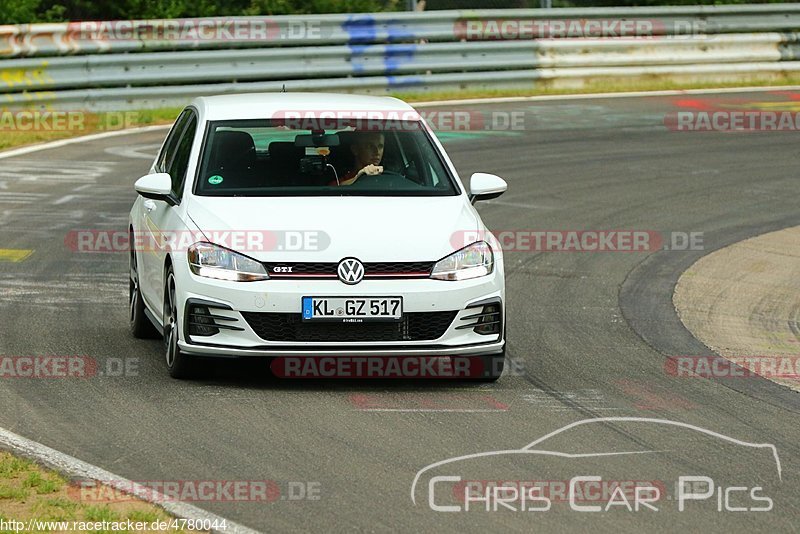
x=24 y=11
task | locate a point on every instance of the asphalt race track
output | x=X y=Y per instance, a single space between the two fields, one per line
x=589 y=336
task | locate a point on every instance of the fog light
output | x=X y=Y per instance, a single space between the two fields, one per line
x=489 y=321
x=199 y=317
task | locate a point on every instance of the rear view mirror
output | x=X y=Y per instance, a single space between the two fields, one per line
x=315 y=140
x=483 y=186
x=156 y=187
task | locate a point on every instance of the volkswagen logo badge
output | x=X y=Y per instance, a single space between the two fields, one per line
x=351 y=271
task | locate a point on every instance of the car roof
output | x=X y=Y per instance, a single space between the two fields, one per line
x=265 y=105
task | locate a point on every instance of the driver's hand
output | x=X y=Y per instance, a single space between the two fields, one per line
x=371 y=170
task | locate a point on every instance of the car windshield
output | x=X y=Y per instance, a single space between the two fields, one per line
x=274 y=158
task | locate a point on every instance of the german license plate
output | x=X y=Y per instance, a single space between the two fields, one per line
x=352 y=309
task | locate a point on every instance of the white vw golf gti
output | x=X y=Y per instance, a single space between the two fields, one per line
x=295 y=225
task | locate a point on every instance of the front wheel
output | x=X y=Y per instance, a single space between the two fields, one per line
x=492 y=367
x=140 y=326
x=178 y=363
x=485 y=368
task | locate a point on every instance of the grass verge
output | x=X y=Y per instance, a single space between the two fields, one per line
x=16 y=131
x=99 y=122
x=599 y=86
x=29 y=492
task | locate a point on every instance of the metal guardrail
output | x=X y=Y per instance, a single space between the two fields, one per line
x=29 y=40
x=185 y=68
x=156 y=63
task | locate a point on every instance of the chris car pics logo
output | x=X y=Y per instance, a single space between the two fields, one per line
x=444 y=486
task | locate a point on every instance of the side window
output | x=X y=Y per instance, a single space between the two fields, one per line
x=414 y=171
x=180 y=163
x=168 y=151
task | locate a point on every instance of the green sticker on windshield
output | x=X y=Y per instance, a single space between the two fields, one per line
x=215 y=180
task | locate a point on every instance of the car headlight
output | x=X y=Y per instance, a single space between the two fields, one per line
x=213 y=261
x=470 y=262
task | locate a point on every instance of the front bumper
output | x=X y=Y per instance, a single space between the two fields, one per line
x=285 y=296
x=486 y=349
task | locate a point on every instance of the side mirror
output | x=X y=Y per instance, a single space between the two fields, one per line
x=484 y=186
x=156 y=187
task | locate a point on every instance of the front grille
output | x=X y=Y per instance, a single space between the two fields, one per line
x=377 y=269
x=423 y=326
x=419 y=269
x=302 y=268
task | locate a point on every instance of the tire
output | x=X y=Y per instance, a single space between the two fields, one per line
x=179 y=365
x=140 y=326
x=492 y=367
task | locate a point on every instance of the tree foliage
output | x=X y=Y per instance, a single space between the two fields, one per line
x=25 y=11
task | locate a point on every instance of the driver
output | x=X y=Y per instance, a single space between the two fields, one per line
x=367 y=149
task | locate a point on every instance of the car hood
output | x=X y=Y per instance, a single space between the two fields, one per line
x=372 y=229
